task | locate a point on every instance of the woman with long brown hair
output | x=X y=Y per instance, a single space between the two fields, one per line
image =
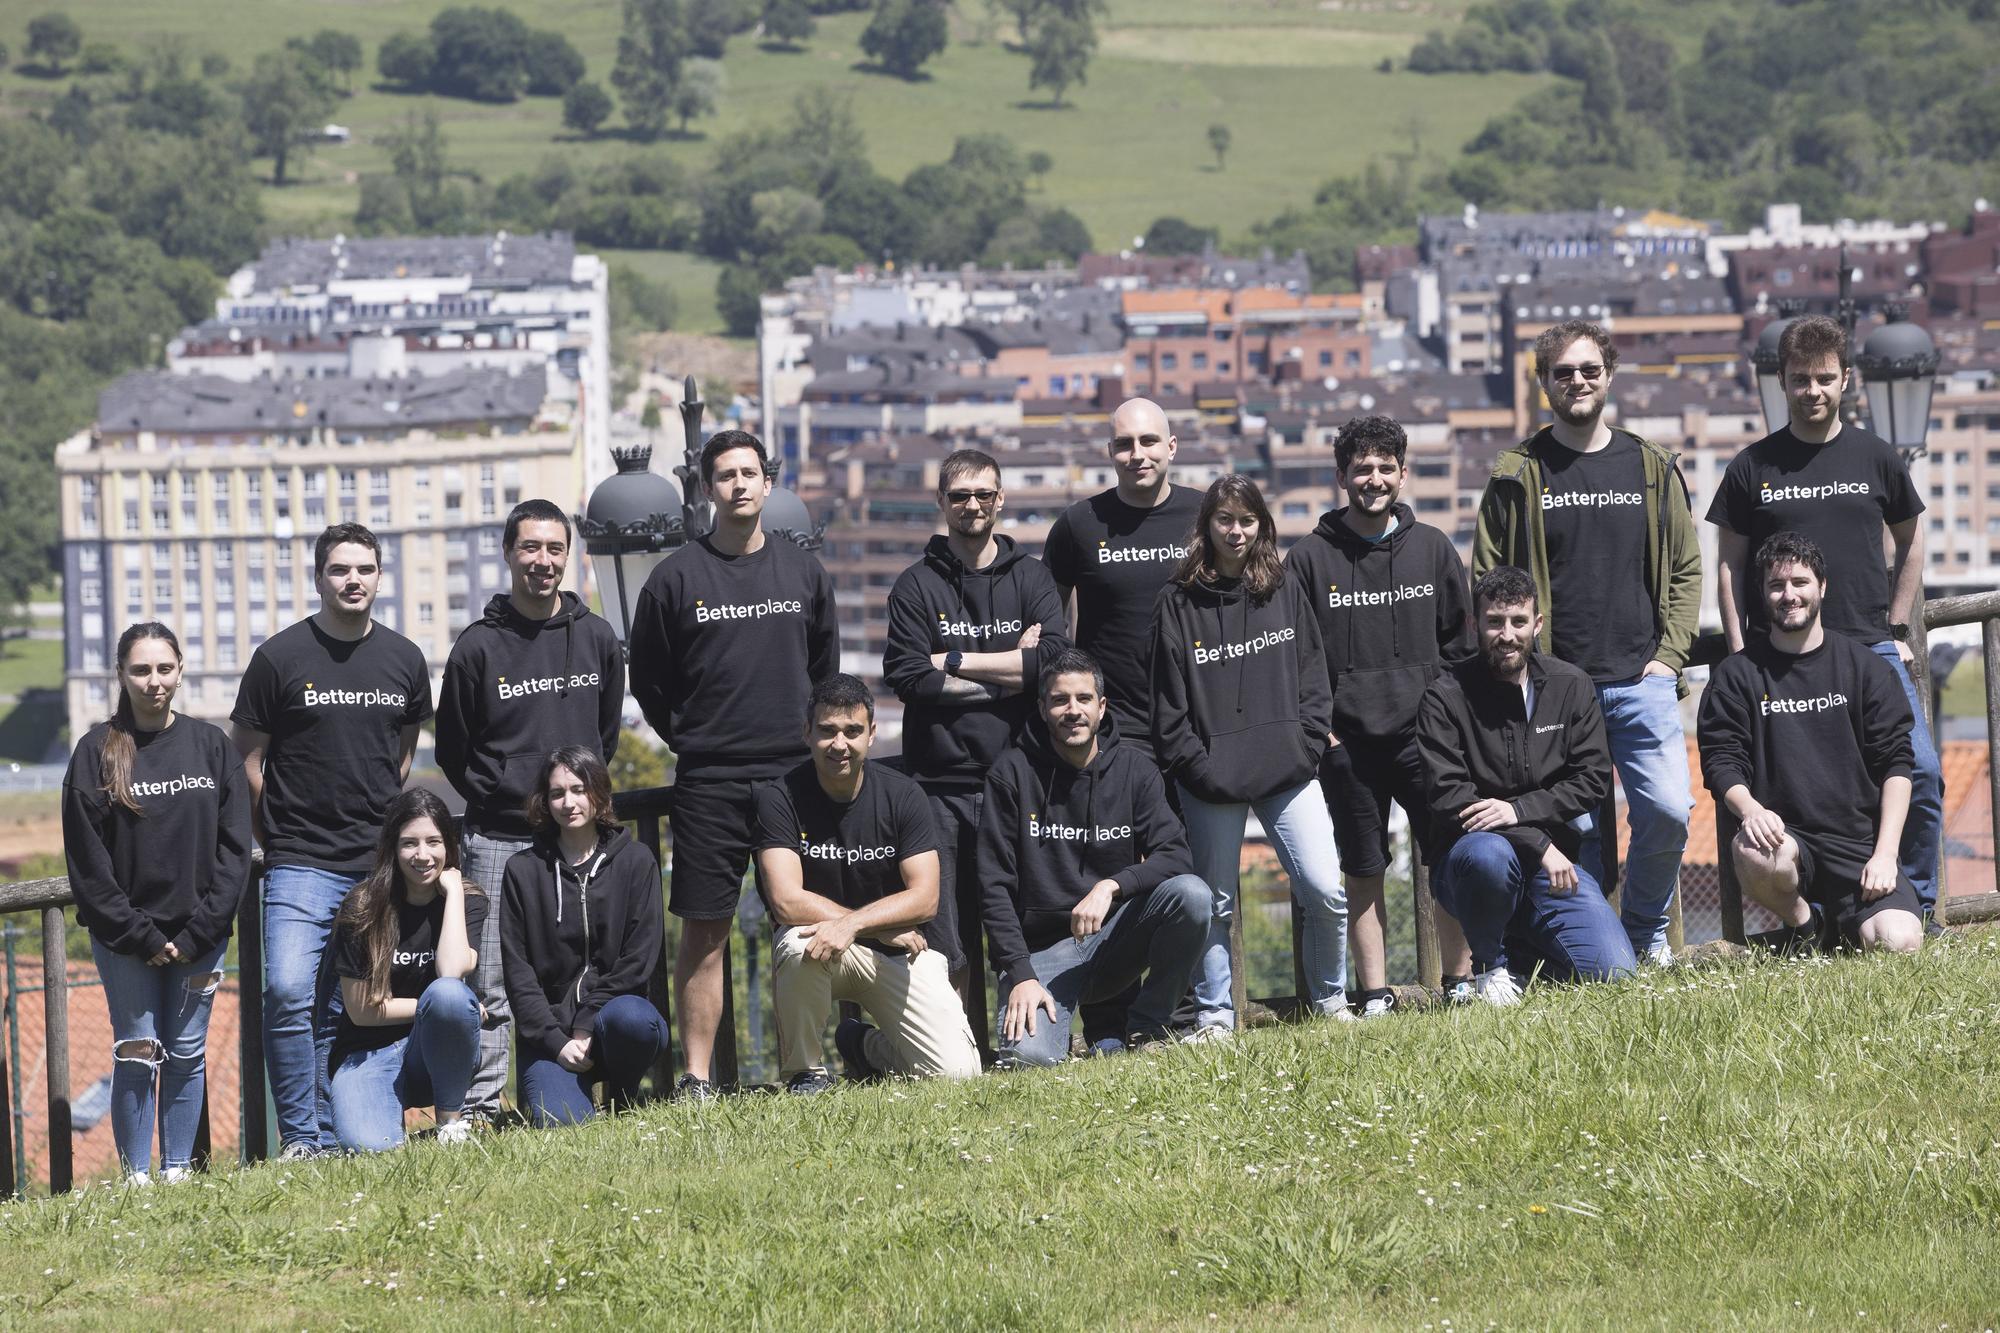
x=156 y=835
x=408 y=1033
x=1241 y=716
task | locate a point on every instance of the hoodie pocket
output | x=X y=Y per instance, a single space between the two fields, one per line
x=1256 y=761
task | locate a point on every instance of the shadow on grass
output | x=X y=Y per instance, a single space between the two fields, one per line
x=883 y=71
x=31 y=732
x=774 y=48
x=1050 y=105
x=47 y=72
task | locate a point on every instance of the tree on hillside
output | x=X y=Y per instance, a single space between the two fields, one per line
x=650 y=51
x=406 y=58
x=1218 y=143
x=711 y=23
x=1039 y=165
x=482 y=54
x=788 y=21
x=553 y=65
x=1176 y=236
x=53 y=40
x=286 y=101
x=338 y=53
x=904 y=34
x=585 y=107
x=1060 y=50
x=699 y=93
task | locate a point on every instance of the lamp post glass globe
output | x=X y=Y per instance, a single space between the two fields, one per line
x=632 y=521
x=1771 y=376
x=1898 y=367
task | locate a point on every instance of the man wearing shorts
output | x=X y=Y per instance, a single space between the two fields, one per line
x=1805 y=735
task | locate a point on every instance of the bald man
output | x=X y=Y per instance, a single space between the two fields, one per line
x=1114 y=552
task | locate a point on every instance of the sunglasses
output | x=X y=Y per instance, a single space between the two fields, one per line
x=1562 y=373
x=967 y=497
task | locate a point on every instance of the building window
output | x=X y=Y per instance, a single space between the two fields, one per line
x=347 y=481
x=163 y=592
x=225 y=588
x=1326 y=357
x=378 y=512
x=90 y=592
x=488 y=506
x=1169 y=361
x=257 y=585
x=425 y=615
x=316 y=511
x=93 y=660
x=486 y=474
x=190 y=557
x=284 y=555
x=159 y=485
x=221 y=511
x=489 y=542
x=88 y=561
x=1142 y=362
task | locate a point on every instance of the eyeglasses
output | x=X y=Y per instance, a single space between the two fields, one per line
x=967 y=497
x=1562 y=373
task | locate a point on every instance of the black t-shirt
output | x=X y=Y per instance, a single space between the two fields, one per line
x=335 y=712
x=1841 y=495
x=852 y=853
x=1117 y=558
x=412 y=969
x=1594 y=525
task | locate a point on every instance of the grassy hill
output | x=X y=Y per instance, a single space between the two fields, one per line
x=1294 y=79
x=1750 y=1145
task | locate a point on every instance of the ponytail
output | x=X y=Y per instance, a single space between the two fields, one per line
x=120 y=745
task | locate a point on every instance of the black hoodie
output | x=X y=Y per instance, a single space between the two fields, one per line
x=575 y=938
x=1048 y=832
x=1240 y=701
x=725 y=650
x=1478 y=740
x=1391 y=613
x=939 y=605
x=175 y=872
x=516 y=689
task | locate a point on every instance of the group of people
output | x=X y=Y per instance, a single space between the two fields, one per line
x=1084 y=738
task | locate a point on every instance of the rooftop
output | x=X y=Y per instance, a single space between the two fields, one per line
x=155 y=400
x=498 y=260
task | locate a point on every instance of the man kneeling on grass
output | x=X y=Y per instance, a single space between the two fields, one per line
x=1806 y=734
x=1085 y=873
x=848 y=856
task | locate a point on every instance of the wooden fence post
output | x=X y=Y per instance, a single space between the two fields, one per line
x=55 y=1026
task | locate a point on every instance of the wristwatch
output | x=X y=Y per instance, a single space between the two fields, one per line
x=1900 y=632
x=953 y=660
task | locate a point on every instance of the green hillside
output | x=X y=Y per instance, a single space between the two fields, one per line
x=1744 y=1146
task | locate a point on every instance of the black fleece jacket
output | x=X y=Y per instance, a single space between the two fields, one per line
x=939 y=605
x=1477 y=740
x=516 y=689
x=175 y=872
x=1241 y=707
x=1392 y=613
x=575 y=938
x=1048 y=832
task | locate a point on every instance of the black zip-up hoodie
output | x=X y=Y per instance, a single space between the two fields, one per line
x=725 y=650
x=939 y=605
x=1392 y=613
x=1477 y=740
x=1241 y=707
x=175 y=872
x=575 y=938
x=516 y=689
x=1049 y=831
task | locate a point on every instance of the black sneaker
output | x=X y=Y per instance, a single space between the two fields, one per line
x=692 y=1089
x=1933 y=928
x=809 y=1082
x=850 y=1038
x=1796 y=941
x=1458 y=990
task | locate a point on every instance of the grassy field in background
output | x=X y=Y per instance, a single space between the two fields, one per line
x=27 y=664
x=1752 y=1145
x=1295 y=82
x=691 y=277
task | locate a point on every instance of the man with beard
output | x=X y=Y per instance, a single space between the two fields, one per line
x=1389 y=594
x=1600 y=519
x=1805 y=736
x=1842 y=488
x=1513 y=750
x=969 y=625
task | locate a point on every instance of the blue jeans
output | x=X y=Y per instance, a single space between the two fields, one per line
x=627 y=1037
x=1642 y=726
x=301 y=1000
x=430 y=1066
x=1302 y=834
x=1159 y=935
x=484 y=860
x=166 y=1007
x=1926 y=817
x=1512 y=919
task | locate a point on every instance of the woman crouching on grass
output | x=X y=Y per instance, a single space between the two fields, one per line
x=580 y=930
x=156 y=834
x=409 y=1033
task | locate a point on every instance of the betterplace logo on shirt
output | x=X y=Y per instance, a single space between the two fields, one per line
x=543 y=684
x=174 y=786
x=965 y=629
x=1337 y=600
x=318 y=698
x=1773 y=494
x=1817 y=704
x=1107 y=554
x=703 y=613
x=1049 y=831
x=1229 y=652
x=1590 y=499
x=833 y=851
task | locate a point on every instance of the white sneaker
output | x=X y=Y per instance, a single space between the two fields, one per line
x=1660 y=955
x=1342 y=1014
x=1380 y=1007
x=1209 y=1033
x=456 y=1131
x=137 y=1180
x=1497 y=988
x=174 y=1175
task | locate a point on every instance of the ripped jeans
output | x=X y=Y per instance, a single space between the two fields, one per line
x=164 y=1009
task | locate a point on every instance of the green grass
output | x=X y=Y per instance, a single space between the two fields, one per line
x=1753 y=1145
x=27 y=664
x=691 y=277
x=1295 y=82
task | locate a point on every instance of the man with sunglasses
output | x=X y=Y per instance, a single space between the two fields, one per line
x=969 y=625
x=1600 y=518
